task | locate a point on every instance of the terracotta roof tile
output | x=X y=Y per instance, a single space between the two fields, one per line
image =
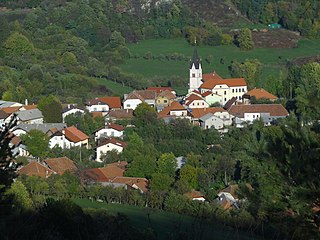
x=29 y=107
x=96 y=114
x=116 y=126
x=75 y=135
x=94 y=174
x=260 y=93
x=60 y=165
x=194 y=194
x=142 y=95
x=166 y=93
x=232 y=82
x=275 y=110
x=113 y=141
x=36 y=169
x=200 y=112
x=210 y=76
x=113 y=102
x=141 y=183
x=112 y=171
x=121 y=113
x=10 y=109
x=175 y=106
x=3 y=114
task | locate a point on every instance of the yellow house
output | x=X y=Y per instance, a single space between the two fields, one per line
x=164 y=99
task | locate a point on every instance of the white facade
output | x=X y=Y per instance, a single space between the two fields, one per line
x=179 y=113
x=227 y=92
x=103 y=149
x=131 y=103
x=98 y=108
x=195 y=77
x=107 y=132
x=18 y=132
x=71 y=111
x=198 y=104
x=213 y=98
x=64 y=143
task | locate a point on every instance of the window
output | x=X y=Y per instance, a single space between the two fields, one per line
x=225 y=99
x=202 y=103
x=95 y=109
x=193 y=75
x=216 y=92
x=242 y=89
x=236 y=89
x=128 y=105
x=225 y=92
x=240 y=98
x=198 y=104
x=233 y=90
x=165 y=101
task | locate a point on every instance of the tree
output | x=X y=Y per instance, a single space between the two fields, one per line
x=142 y=109
x=17 y=45
x=160 y=182
x=51 y=109
x=167 y=164
x=189 y=174
x=244 y=40
x=19 y=196
x=37 y=143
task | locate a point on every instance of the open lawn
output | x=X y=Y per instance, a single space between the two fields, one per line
x=168 y=224
x=273 y=60
x=116 y=88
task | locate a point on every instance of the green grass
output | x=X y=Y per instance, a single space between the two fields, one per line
x=273 y=60
x=116 y=88
x=166 y=223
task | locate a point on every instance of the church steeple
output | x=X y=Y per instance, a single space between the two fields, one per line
x=195 y=71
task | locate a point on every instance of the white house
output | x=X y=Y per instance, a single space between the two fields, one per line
x=103 y=104
x=133 y=99
x=246 y=114
x=226 y=88
x=69 y=137
x=32 y=116
x=109 y=130
x=175 y=109
x=109 y=145
x=195 y=101
x=195 y=72
x=71 y=109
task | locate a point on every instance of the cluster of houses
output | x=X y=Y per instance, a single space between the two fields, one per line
x=211 y=102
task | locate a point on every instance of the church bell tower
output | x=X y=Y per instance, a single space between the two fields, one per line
x=195 y=72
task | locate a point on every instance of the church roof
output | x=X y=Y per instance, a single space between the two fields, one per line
x=195 y=59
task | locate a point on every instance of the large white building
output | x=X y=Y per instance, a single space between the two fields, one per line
x=195 y=72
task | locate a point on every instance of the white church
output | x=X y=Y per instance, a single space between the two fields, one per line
x=212 y=87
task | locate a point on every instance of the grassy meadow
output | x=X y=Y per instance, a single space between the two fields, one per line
x=166 y=224
x=117 y=88
x=273 y=60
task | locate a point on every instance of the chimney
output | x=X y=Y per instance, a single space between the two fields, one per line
x=26 y=102
x=47 y=173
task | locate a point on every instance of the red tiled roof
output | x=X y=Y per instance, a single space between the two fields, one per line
x=194 y=194
x=159 y=89
x=75 y=135
x=232 y=82
x=210 y=76
x=116 y=126
x=113 y=102
x=112 y=171
x=168 y=94
x=273 y=109
x=10 y=109
x=260 y=93
x=142 y=95
x=199 y=112
x=141 y=183
x=60 y=165
x=121 y=113
x=192 y=98
x=94 y=174
x=175 y=106
x=36 y=169
x=96 y=114
x=113 y=141
x=30 y=107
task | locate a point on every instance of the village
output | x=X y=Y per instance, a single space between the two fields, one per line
x=211 y=102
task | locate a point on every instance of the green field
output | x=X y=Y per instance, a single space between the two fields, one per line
x=273 y=60
x=167 y=224
x=114 y=87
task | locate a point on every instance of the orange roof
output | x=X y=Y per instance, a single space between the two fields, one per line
x=168 y=94
x=116 y=126
x=232 y=82
x=199 y=112
x=210 y=76
x=159 y=89
x=10 y=109
x=94 y=174
x=192 y=98
x=112 y=171
x=113 y=141
x=73 y=134
x=36 y=169
x=60 y=165
x=121 y=113
x=260 y=93
x=96 y=114
x=175 y=106
x=29 y=107
x=194 y=194
x=273 y=109
x=113 y=102
x=140 y=183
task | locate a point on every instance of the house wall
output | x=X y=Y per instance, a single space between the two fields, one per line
x=106 y=148
x=19 y=132
x=163 y=101
x=227 y=92
x=108 y=132
x=64 y=143
x=131 y=103
x=179 y=113
x=213 y=98
x=98 y=108
x=214 y=121
x=199 y=104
